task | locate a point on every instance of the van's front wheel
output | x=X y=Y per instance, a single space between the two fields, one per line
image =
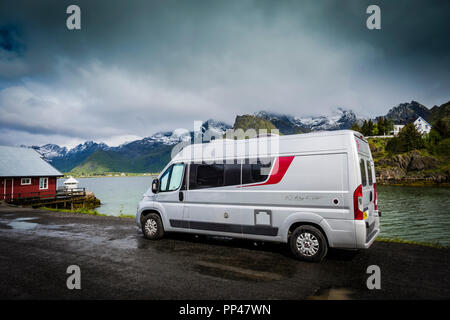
x=152 y=226
x=308 y=243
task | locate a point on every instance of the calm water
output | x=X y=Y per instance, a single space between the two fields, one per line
x=119 y=195
x=410 y=213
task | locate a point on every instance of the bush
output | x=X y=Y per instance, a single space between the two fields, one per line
x=443 y=148
x=408 y=139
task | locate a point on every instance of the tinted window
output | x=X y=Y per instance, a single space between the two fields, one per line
x=232 y=174
x=206 y=176
x=363 y=172
x=255 y=172
x=369 y=172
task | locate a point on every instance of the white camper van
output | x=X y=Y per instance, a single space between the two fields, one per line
x=312 y=191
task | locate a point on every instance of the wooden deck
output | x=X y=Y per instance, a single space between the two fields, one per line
x=60 y=199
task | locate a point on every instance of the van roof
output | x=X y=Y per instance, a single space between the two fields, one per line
x=332 y=141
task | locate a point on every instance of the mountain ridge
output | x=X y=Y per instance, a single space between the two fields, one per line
x=151 y=153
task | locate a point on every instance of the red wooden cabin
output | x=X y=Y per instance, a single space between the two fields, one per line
x=24 y=173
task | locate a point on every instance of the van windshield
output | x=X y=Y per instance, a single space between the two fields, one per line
x=363 y=172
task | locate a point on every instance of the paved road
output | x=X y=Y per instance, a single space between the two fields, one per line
x=37 y=246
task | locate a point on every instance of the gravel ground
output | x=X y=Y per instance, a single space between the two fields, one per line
x=37 y=246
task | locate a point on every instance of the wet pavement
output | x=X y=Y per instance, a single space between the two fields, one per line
x=37 y=246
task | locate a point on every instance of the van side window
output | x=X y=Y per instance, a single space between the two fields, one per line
x=363 y=172
x=176 y=176
x=369 y=172
x=206 y=176
x=165 y=179
x=255 y=172
x=172 y=177
x=232 y=174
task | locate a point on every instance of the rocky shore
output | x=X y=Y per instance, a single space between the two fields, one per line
x=412 y=168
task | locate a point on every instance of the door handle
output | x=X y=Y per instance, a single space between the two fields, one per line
x=181 y=196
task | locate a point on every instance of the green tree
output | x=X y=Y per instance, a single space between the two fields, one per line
x=408 y=139
x=441 y=127
x=388 y=126
x=375 y=130
x=367 y=128
x=356 y=127
x=380 y=126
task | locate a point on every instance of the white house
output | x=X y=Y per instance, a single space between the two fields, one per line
x=422 y=126
x=397 y=129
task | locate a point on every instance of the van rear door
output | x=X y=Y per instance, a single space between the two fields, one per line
x=367 y=181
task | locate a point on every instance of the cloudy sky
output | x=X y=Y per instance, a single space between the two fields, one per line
x=138 y=67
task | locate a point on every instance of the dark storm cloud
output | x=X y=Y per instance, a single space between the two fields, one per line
x=137 y=67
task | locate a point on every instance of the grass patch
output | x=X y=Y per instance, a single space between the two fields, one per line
x=426 y=244
x=88 y=211
x=128 y=216
x=81 y=210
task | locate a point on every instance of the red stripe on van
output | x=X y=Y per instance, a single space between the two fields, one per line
x=279 y=170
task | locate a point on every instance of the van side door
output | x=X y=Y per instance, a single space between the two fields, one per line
x=169 y=194
x=213 y=199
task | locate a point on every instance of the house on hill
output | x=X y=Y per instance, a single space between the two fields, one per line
x=422 y=125
x=23 y=173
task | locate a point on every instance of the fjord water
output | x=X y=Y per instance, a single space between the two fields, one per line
x=408 y=213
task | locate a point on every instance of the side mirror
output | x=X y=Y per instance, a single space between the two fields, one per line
x=155 y=186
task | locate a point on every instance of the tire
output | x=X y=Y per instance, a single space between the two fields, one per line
x=152 y=226
x=308 y=244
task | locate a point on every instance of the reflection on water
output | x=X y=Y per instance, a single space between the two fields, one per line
x=409 y=213
x=415 y=213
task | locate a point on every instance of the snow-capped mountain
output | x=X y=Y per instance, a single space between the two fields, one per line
x=88 y=146
x=287 y=124
x=64 y=159
x=339 y=119
x=407 y=112
x=51 y=151
x=209 y=128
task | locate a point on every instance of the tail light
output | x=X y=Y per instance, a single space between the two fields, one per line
x=375 y=201
x=358 y=203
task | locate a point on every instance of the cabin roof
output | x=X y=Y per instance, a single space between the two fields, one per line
x=24 y=162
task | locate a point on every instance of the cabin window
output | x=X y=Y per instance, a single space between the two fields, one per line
x=206 y=176
x=172 y=177
x=25 y=181
x=43 y=183
x=363 y=172
x=232 y=174
x=255 y=172
x=369 y=173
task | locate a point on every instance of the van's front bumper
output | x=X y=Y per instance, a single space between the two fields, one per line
x=366 y=235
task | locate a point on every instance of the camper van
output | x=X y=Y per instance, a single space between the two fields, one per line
x=312 y=191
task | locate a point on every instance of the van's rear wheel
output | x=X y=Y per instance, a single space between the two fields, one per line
x=152 y=226
x=308 y=243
